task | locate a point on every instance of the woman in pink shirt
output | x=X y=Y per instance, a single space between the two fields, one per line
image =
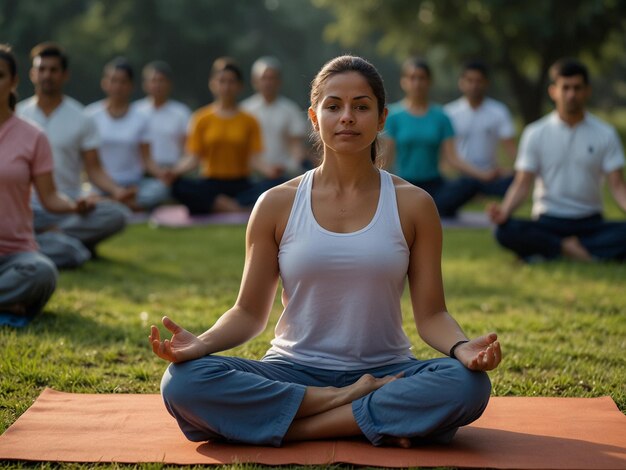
x=27 y=278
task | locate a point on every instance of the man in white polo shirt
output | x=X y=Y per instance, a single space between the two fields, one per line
x=69 y=240
x=481 y=125
x=168 y=119
x=567 y=155
x=282 y=122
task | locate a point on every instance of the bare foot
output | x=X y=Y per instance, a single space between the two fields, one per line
x=402 y=442
x=318 y=400
x=225 y=203
x=366 y=384
x=573 y=249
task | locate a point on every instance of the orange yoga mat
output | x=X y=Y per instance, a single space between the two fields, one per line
x=514 y=432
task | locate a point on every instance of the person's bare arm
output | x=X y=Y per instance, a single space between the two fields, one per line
x=514 y=197
x=452 y=158
x=149 y=164
x=615 y=180
x=434 y=324
x=55 y=202
x=249 y=316
x=101 y=179
x=186 y=164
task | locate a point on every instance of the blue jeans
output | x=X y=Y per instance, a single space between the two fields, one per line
x=254 y=402
x=543 y=237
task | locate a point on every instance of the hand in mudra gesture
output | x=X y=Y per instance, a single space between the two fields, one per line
x=182 y=346
x=482 y=353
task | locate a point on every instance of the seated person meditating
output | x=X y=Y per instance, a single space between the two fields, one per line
x=27 y=277
x=342 y=238
x=226 y=142
x=125 y=139
x=419 y=137
x=566 y=155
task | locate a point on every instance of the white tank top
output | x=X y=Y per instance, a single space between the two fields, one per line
x=342 y=290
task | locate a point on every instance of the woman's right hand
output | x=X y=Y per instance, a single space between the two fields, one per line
x=182 y=346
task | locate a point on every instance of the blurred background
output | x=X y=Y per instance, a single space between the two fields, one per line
x=519 y=40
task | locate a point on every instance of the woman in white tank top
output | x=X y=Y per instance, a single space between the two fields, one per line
x=343 y=238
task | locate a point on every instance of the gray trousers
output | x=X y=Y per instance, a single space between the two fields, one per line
x=68 y=238
x=27 y=281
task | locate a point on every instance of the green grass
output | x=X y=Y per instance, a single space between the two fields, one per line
x=561 y=324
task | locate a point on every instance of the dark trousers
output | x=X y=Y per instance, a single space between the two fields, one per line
x=199 y=194
x=451 y=195
x=543 y=237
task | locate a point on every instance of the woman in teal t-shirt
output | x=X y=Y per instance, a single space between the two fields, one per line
x=418 y=133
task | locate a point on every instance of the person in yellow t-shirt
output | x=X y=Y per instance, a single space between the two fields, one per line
x=225 y=143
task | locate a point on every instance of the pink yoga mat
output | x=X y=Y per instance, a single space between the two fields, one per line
x=179 y=217
x=514 y=432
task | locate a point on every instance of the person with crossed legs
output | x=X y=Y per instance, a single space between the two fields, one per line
x=343 y=239
x=567 y=155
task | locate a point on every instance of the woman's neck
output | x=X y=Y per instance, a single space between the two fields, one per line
x=226 y=108
x=347 y=171
x=416 y=104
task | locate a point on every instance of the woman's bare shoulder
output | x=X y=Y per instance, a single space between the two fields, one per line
x=274 y=206
x=279 y=196
x=416 y=209
x=410 y=195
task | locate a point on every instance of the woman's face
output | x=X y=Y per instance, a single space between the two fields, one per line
x=8 y=83
x=225 y=85
x=347 y=114
x=117 y=85
x=415 y=82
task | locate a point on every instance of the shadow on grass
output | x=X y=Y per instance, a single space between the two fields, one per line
x=83 y=330
x=116 y=271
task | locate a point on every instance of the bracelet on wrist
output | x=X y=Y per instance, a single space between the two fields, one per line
x=456 y=345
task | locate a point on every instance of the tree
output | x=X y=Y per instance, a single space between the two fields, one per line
x=188 y=34
x=520 y=39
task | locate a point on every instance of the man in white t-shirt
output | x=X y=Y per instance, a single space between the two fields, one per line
x=124 y=138
x=567 y=155
x=69 y=240
x=168 y=119
x=283 y=123
x=481 y=125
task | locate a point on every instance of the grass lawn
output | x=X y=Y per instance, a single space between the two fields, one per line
x=562 y=325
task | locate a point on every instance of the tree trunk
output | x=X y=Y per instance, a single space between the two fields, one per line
x=529 y=94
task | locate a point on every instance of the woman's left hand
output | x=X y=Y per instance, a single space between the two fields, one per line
x=482 y=353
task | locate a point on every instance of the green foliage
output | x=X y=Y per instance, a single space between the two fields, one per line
x=188 y=34
x=522 y=39
x=561 y=324
x=519 y=39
